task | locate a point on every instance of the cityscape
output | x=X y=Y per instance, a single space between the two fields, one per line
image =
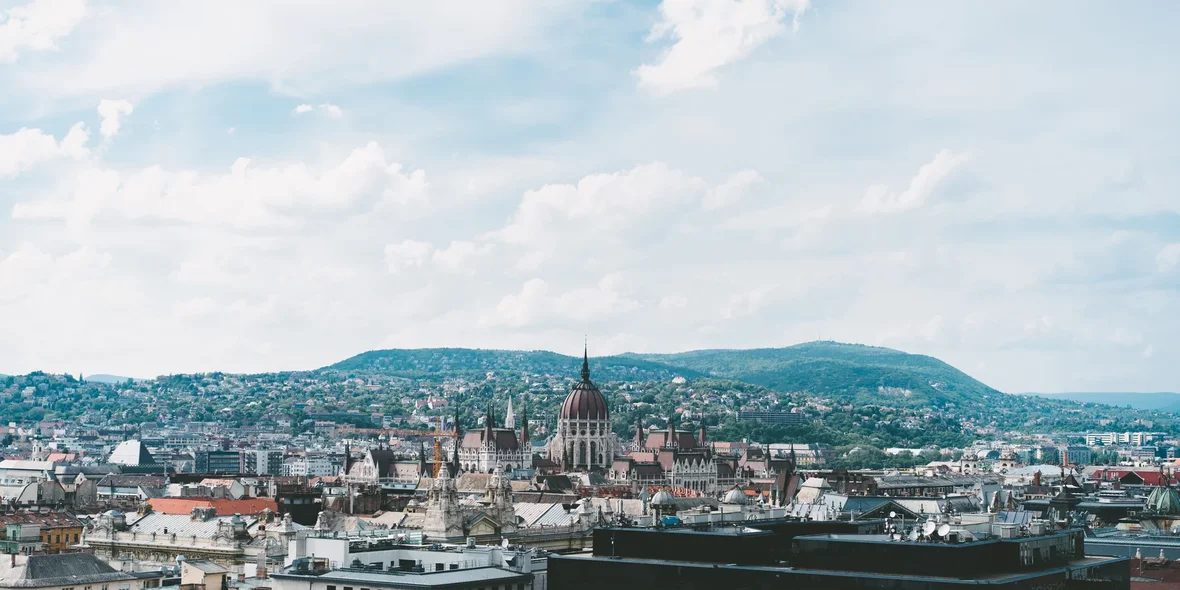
x=598 y=294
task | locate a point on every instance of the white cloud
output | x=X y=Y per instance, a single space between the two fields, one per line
x=28 y=147
x=327 y=109
x=601 y=204
x=520 y=309
x=37 y=26
x=746 y=304
x=710 y=34
x=140 y=48
x=1167 y=259
x=611 y=296
x=407 y=254
x=196 y=307
x=248 y=196
x=112 y=112
x=732 y=191
x=675 y=301
x=459 y=255
x=879 y=199
x=1149 y=351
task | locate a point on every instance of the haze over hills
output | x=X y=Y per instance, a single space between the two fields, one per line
x=108 y=379
x=1164 y=401
x=866 y=374
x=848 y=371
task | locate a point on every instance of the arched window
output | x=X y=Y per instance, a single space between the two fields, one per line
x=582 y=453
x=593 y=452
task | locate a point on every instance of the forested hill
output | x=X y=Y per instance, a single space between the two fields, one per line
x=426 y=363
x=852 y=372
x=865 y=374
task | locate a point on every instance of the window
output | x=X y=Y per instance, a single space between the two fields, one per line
x=331 y=588
x=438 y=567
x=454 y=566
x=348 y=588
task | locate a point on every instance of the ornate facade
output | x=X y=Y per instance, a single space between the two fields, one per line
x=482 y=450
x=584 y=439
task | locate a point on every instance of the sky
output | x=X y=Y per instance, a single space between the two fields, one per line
x=273 y=185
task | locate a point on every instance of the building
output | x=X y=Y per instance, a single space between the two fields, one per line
x=482 y=450
x=1075 y=455
x=133 y=455
x=51 y=532
x=777 y=418
x=584 y=439
x=217 y=462
x=796 y=555
x=262 y=462
x=68 y=571
x=311 y=574
x=309 y=466
x=1137 y=439
x=393 y=552
x=675 y=458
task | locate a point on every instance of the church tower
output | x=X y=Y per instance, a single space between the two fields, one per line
x=584 y=437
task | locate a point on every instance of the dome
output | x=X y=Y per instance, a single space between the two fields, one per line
x=663 y=498
x=1164 y=501
x=585 y=401
x=734 y=496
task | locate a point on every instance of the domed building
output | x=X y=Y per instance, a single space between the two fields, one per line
x=584 y=439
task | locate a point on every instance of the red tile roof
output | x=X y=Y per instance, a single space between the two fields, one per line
x=225 y=507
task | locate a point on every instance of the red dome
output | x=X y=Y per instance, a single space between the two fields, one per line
x=585 y=402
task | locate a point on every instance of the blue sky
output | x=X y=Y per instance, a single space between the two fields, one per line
x=274 y=185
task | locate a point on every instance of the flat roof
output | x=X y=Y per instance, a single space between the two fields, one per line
x=720 y=531
x=1082 y=562
x=424 y=579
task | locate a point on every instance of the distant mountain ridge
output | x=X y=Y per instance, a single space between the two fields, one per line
x=853 y=372
x=108 y=379
x=421 y=363
x=1163 y=401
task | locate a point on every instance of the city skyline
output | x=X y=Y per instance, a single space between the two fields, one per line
x=662 y=176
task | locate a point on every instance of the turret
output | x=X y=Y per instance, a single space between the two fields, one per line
x=701 y=438
x=524 y=427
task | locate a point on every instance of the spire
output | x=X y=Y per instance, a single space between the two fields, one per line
x=702 y=440
x=458 y=430
x=524 y=427
x=453 y=467
x=639 y=434
x=586 y=364
x=509 y=416
x=421 y=459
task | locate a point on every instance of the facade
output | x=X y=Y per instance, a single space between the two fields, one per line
x=309 y=466
x=52 y=532
x=482 y=450
x=1075 y=455
x=768 y=417
x=217 y=462
x=674 y=458
x=262 y=462
x=584 y=439
x=1137 y=439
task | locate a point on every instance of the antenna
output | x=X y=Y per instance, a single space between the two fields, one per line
x=943 y=530
x=913 y=535
x=892 y=514
x=504 y=543
x=929 y=527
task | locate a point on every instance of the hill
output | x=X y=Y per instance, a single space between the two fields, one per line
x=1164 y=401
x=425 y=363
x=864 y=374
x=108 y=379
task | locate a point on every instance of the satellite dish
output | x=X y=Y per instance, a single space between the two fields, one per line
x=896 y=537
x=504 y=543
x=913 y=534
x=928 y=528
x=892 y=514
x=943 y=530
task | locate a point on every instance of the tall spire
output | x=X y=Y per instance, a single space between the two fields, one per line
x=586 y=364
x=524 y=427
x=509 y=416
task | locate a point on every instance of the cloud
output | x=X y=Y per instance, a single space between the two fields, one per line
x=112 y=111
x=327 y=109
x=28 y=147
x=879 y=199
x=248 y=196
x=407 y=254
x=1167 y=259
x=459 y=255
x=37 y=26
x=675 y=301
x=732 y=191
x=610 y=297
x=709 y=35
x=520 y=309
x=284 y=43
